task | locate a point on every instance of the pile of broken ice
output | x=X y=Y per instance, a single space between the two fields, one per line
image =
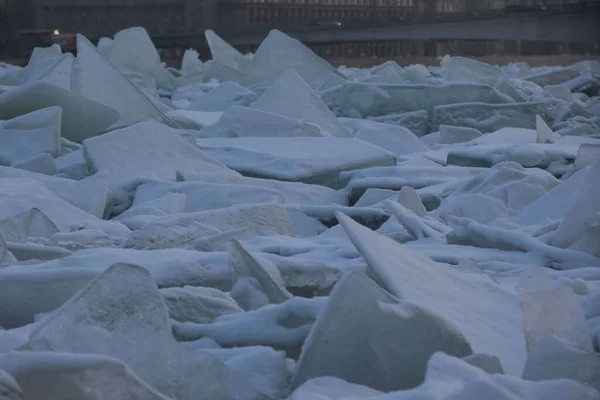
x=269 y=227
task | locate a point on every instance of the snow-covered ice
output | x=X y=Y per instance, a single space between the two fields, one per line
x=267 y=226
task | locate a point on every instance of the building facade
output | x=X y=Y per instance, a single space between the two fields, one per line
x=301 y=13
x=95 y=18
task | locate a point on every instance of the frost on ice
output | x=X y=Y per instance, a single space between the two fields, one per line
x=267 y=226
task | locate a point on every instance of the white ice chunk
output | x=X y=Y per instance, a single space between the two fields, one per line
x=222 y=97
x=139 y=215
x=388 y=72
x=266 y=369
x=213 y=71
x=552 y=77
x=222 y=195
x=394 y=138
x=304 y=105
x=278 y=53
x=121 y=314
x=331 y=81
x=57 y=73
x=19 y=195
x=201 y=305
x=30 y=135
x=32 y=223
x=81 y=117
x=147 y=149
x=410 y=199
x=176 y=230
x=583 y=214
x=41 y=58
x=479 y=207
x=303 y=159
x=391 y=340
x=98 y=79
x=373 y=196
x=133 y=50
x=191 y=64
x=89 y=194
x=457 y=134
x=245 y=265
x=556 y=358
x=293 y=192
x=281 y=326
x=492 y=117
x=460 y=69
x=467 y=300
x=489 y=364
x=42 y=163
x=553 y=312
x=105 y=45
x=544 y=133
x=416 y=73
x=62 y=376
x=559 y=92
x=224 y=53
x=240 y=121
x=195 y=119
x=362 y=100
x=416 y=121
x=587 y=154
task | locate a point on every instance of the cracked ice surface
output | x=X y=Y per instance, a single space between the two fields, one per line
x=267 y=226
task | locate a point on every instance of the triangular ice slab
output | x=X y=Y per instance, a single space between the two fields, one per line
x=133 y=50
x=245 y=265
x=278 y=53
x=555 y=203
x=391 y=340
x=81 y=117
x=146 y=149
x=121 y=314
x=98 y=79
x=58 y=73
x=222 y=52
x=544 y=133
x=487 y=314
x=582 y=215
x=32 y=223
x=303 y=105
x=41 y=58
